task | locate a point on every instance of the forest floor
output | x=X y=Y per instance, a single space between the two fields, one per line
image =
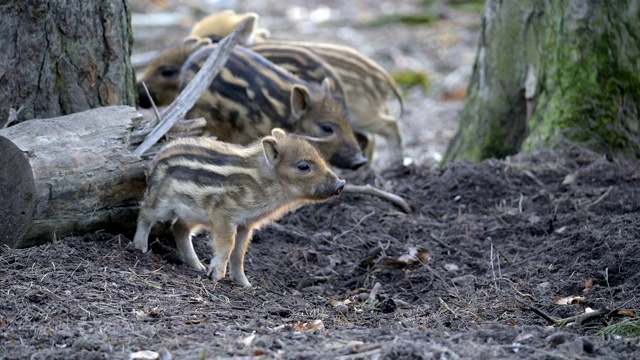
x=478 y=270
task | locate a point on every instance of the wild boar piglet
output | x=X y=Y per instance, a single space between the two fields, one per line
x=230 y=190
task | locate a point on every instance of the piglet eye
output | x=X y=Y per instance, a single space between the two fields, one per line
x=303 y=166
x=168 y=71
x=327 y=128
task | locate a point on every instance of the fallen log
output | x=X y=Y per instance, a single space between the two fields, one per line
x=85 y=176
x=75 y=174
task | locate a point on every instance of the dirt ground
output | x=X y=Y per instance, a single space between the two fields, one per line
x=475 y=271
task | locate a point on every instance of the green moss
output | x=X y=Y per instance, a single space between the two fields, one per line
x=469 y=6
x=599 y=108
x=410 y=78
x=592 y=96
x=493 y=145
x=407 y=19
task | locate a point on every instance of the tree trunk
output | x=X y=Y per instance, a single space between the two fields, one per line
x=58 y=57
x=547 y=71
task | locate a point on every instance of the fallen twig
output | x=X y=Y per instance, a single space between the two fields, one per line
x=362 y=355
x=577 y=319
x=374 y=292
x=13 y=116
x=493 y=270
x=598 y=200
x=356 y=225
x=370 y=190
x=444 y=305
x=158 y=117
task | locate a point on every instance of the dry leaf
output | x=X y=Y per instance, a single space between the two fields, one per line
x=534 y=219
x=407 y=259
x=249 y=339
x=451 y=267
x=568 y=300
x=335 y=302
x=315 y=325
x=144 y=355
x=524 y=337
x=414 y=254
x=258 y=352
x=411 y=257
x=569 y=179
x=588 y=285
x=341 y=307
x=424 y=256
x=346 y=302
x=627 y=312
x=561 y=230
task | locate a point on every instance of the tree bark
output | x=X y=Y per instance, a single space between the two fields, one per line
x=548 y=71
x=16 y=193
x=58 y=57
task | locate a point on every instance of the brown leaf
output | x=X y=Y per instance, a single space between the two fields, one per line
x=315 y=325
x=569 y=300
x=627 y=312
x=588 y=285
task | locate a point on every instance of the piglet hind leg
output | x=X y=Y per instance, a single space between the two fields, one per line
x=141 y=238
x=223 y=234
x=182 y=235
x=236 y=262
x=387 y=126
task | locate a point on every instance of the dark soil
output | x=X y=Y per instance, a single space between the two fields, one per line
x=470 y=273
x=492 y=243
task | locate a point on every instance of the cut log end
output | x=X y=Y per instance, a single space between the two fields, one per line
x=17 y=193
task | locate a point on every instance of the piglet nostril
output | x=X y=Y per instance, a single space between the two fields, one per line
x=339 y=187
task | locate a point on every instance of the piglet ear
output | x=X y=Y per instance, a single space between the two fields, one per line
x=271 y=149
x=300 y=100
x=195 y=42
x=278 y=133
x=250 y=23
x=327 y=85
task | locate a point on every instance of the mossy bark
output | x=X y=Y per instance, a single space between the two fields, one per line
x=59 y=57
x=550 y=70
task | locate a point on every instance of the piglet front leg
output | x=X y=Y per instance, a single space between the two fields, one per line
x=236 y=262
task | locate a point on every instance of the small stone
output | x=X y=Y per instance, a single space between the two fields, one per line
x=341 y=309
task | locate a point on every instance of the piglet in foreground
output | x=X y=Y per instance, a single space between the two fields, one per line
x=230 y=190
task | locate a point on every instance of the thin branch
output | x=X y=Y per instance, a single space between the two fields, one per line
x=194 y=90
x=370 y=190
x=598 y=200
x=153 y=105
x=577 y=319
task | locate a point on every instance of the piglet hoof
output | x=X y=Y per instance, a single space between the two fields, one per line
x=141 y=245
x=214 y=273
x=241 y=279
x=199 y=267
